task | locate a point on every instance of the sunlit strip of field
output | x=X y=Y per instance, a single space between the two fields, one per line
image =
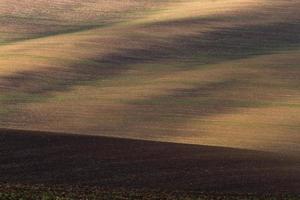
x=249 y=103
x=95 y=47
x=201 y=75
x=39 y=51
x=28 y=19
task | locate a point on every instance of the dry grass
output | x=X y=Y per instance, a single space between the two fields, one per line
x=192 y=71
x=238 y=104
x=25 y=19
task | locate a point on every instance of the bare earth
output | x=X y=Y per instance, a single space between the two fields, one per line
x=58 y=160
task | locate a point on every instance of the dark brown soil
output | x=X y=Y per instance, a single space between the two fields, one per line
x=33 y=158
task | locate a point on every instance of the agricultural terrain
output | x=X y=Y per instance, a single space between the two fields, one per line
x=185 y=95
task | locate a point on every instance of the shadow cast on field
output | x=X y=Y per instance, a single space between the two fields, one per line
x=53 y=159
x=212 y=47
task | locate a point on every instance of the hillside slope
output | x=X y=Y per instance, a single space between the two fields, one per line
x=86 y=162
x=223 y=73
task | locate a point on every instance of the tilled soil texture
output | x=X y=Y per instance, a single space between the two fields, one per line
x=51 y=159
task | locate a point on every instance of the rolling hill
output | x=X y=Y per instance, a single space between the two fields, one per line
x=221 y=73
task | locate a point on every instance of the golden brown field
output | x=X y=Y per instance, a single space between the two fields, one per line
x=219 y=73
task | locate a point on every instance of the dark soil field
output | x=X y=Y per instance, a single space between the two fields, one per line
x=33 y=163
